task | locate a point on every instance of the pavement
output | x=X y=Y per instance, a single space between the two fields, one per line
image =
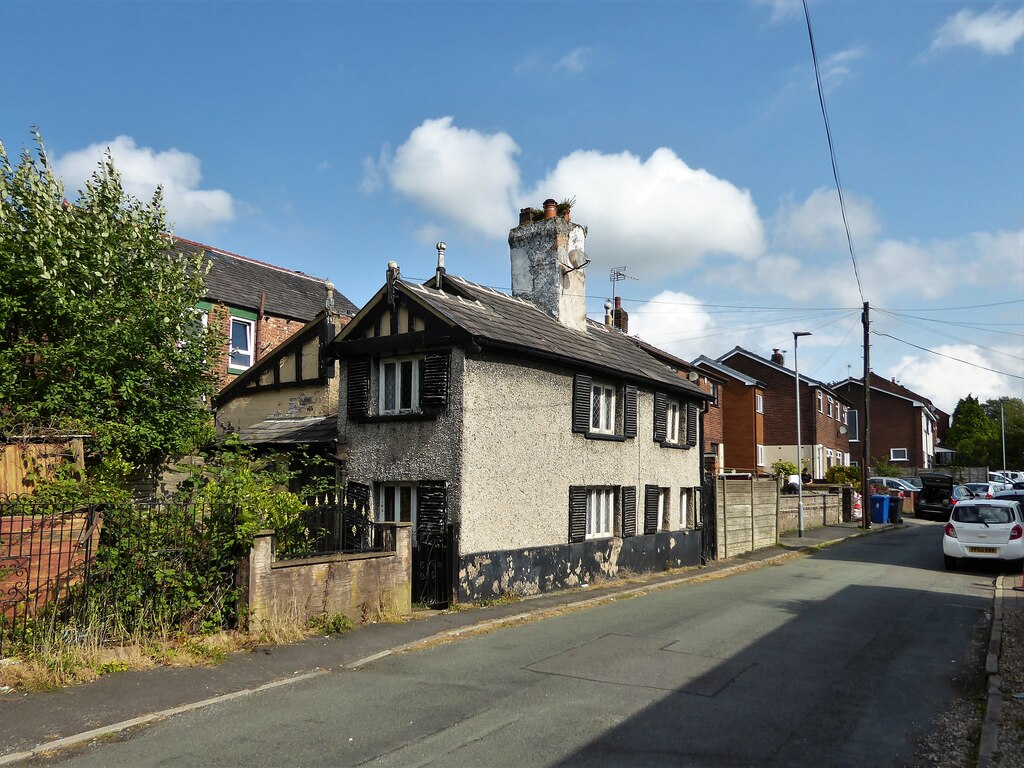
x=1009 y=595
x=34 y=724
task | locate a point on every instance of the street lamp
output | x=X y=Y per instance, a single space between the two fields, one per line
x=799 y=441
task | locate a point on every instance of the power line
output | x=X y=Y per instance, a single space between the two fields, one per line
x=957 y=338
x=948 y=357
x=831 y=150
x=953 y=309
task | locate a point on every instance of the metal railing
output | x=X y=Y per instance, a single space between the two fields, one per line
x=334 y=528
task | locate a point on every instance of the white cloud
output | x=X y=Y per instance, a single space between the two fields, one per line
x=995 y=31
x=817 y=222
x=782 y=9
x=464 y=175
x=657 y=216
x=836 y=67
x=945 y=381
x=143 y=169
x=673 y=321
x=574 y=61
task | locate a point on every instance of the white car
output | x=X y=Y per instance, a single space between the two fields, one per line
x=986 y=529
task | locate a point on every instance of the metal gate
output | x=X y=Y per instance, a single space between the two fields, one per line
x=708 y=521
x=433 y=546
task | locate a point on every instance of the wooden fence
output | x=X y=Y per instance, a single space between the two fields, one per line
x=23 y=460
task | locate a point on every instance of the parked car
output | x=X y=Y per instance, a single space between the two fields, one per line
x=914 y=481
x=937 y=496
x=1012 y=495
x=986 y=490
x=1013 y=475
x=986 y=529
x=1000 y=478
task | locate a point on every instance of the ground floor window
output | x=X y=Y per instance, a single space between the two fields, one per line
x=600 y=513
x=397 y=503
x=685 y=512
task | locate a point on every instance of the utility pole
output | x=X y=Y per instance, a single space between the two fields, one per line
x=865 y=468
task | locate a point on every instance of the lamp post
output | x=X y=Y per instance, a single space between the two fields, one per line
x=799 y=441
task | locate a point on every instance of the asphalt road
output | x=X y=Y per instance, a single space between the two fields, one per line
x=840 y=658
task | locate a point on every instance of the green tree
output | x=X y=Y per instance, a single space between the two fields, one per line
x=98 y=327
x=1013 y=417
x=973 y=435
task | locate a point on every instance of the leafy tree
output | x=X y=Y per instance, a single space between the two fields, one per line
x=884 y=468
x=98 y=327
x=1013 y=417
x=843 y=475
x=973 y=435
x=783 y=468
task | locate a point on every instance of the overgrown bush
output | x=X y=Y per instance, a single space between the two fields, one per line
x=843 y=475
x=782 y=468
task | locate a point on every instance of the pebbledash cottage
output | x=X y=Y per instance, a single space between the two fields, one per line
x=550 y=448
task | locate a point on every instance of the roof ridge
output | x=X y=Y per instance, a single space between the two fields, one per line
x=223 y=252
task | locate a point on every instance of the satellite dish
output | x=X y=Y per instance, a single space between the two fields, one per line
x=693 y=376
x=578 y=259
x=843 y=430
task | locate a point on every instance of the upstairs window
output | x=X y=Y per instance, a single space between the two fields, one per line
x=673 y=415
x=240 y=351
x=821 y=403
x=759 y=402
x=400 y=385
x=830 y=402
x=602 y=408
x=714 y=393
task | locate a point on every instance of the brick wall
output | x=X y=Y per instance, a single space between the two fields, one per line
x=895 y=423
x=780 y=408
x=354 y=585
x=741 y=428
x=270 y=331
x=714 y=422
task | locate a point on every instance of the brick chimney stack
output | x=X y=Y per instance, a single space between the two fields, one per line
x=621 y=316
x=778 y=358
x=547 y=264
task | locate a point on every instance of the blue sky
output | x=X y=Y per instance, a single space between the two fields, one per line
x=334 y=137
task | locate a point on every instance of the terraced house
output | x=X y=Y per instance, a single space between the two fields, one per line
x=533 y=448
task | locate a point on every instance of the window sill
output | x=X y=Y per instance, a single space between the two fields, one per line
x=603 y=436
x=677 y=446
x=387 y=417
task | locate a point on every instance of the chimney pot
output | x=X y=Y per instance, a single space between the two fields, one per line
x=777 y=357
x=525 y=215
x=608 y=321
x=550 y=208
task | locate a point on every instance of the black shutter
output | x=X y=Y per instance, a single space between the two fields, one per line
x=431 y=511
x=577 y=513
x=691 y=424
x=358 y=388
x=651 y=494
x=581 y=403
x=628 y=511
x=629 y=420
x=660 y=417
x=434 y=386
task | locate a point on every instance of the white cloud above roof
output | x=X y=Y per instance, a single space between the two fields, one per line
x=946 y=381
x=995 y=31
x=143 y=169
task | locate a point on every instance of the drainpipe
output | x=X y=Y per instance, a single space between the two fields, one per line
x=257 y=352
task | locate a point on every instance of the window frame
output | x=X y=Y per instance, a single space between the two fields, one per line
x=379 y=512
x=250 y=326
x=415 y=389
x=760 y=455
x=608 y=410
x=758 y=402
x=821 y=402
x=675 y=423
x=602 y=510
x=831 y=406
x=894 y=457
x=713 y=393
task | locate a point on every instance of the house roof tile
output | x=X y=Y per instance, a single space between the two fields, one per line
x=240 y=282
x=514 y=323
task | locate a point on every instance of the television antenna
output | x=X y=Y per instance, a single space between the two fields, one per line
x=617 y=275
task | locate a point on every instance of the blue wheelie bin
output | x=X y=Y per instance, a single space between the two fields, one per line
x=879 y=508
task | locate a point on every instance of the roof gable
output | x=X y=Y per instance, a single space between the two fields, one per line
x=516 y=326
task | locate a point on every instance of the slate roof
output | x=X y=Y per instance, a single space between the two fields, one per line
x=725 y=370
x=312 y=429
x=518 y=325
x=239 y=281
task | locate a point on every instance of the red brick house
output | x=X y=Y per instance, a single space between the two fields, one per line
x=713 y=420
x=741 y=403
x=905 y=426
x=257 y=306
x=824 y=414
